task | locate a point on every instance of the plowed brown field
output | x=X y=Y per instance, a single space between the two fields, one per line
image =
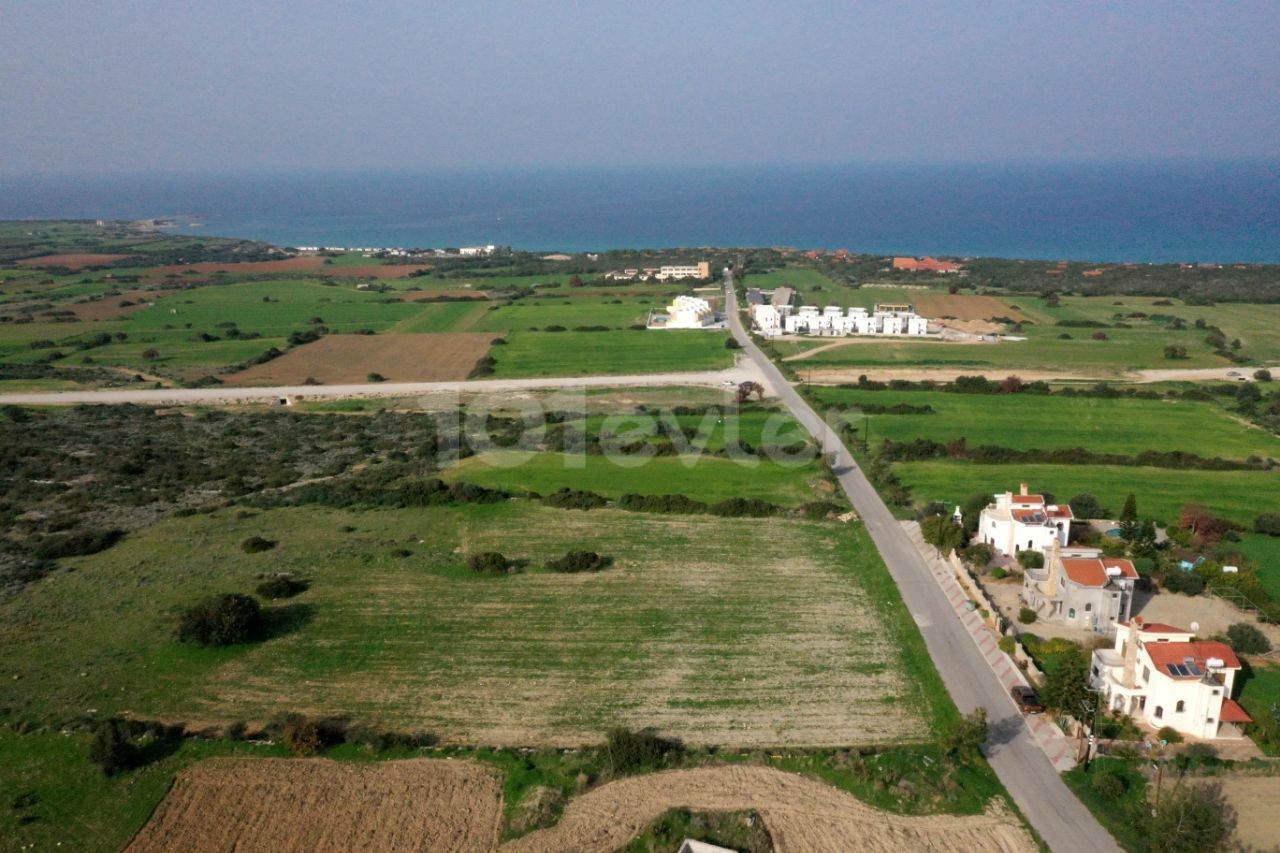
x=426 y=804
x=344 y=359
x=800 y=814
x=74 y=262
x=280 y=805
x=963 y=307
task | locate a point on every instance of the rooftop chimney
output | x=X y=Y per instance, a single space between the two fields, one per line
x=1053 y=561
x=1130 y=655
x=1022 y=489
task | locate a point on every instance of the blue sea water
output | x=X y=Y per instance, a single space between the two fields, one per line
x=1197 y=212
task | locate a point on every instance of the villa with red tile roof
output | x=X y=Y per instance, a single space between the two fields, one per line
x=1160 y=676
x=1080 y=588
x=1023 y=522
x=925 y=265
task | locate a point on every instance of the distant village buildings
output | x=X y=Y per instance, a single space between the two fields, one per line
x=926 y=265
x=1161 y=675
x=777 y=316
x=700 y=270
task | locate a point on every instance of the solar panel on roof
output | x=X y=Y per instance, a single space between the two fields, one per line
x=1177 y=669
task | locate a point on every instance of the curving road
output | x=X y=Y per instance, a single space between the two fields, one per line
x=1048 y=804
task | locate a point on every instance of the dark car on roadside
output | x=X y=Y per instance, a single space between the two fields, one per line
x=1026 y=699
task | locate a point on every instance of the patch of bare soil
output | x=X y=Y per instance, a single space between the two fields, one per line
x=319 y=805
x=799 y=813
x=1254 y=799
x=110 y=307
x=71 y=261
x=964 y=307
x=349 y=359
x=375 y=271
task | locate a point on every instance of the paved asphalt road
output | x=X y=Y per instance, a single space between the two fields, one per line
x=1063 y=823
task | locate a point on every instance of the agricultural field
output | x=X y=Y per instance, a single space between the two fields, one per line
x=1032 y=421
x=763 y=631
x=1161 y=492
x=627 y=352
x=352 y=359
x=1265 y=551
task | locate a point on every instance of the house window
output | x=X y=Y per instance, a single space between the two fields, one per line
x=1146 y=674
x=1031 y=544
x=1071 y=614
x=1180 y=707
x=1159 y=711
x=1088 y=608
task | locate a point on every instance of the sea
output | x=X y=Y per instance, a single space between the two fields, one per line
x=1199 y=212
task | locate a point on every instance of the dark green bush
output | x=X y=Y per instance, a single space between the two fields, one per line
x=222 y=621
x=566 y=498
x=1026 y=616
x=111 y=748
x=744 y=508
x=256 y=545
x=667 y=504
x=282 y=587
x=580 y=561
x=1247 y=639
x=78 y=544
x=1268 y=523
x=628 y=751
x=488 y=563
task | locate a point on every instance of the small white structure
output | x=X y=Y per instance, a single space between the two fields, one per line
x=477 y=251
x=1024 y=522
x=834 y=321
x=1162 y=676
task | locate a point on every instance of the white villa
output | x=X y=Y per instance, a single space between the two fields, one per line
x=686 y=312
x=1162 y=676
x=1080 y=588
x=833 y=321
x=1024 y=522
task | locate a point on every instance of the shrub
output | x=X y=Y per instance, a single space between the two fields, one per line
x=580 y=561
x=1169 y=734
x=256 y=545
x=1110 y=785
x=980 y=554
x=488 y=563
x=963 y=738
x=1187 y=583
x=1007 y=644
x=1262 y=375
x=1031 y=559
x=1247 y=639
x=668 y=504
x=1085 y=506
x=282 y=587
x=567 y=498
x=998 y=573
x=1268 y=523
x=376 y=377
x=628 y=751
x=1026 y=616
x=78 y=544
x=111 y=748
x=744 y=508
x=818 y=510
x=1192 y=817
x=222 y=621
x=730 y=343
x=301 y=736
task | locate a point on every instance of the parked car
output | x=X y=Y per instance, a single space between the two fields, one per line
x=1026 y=699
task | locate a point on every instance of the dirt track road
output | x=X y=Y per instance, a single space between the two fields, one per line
x=222 y=395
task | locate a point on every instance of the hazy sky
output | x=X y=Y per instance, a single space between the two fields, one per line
x=107 y=85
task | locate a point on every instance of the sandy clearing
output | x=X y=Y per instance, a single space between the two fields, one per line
x=319 y=805
x=799 y=813
x=1254 y=799
x=428 y=357
x=71 y=261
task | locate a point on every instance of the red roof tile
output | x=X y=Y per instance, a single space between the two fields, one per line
x=1093 y=572
x=1233 y=713
x=1164 y=654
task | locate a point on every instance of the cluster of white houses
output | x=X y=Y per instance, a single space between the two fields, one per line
x=685 y=312
x=1157 y=674
x=777 y=316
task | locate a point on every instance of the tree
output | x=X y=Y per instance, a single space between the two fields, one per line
x=1268 y=523
x=1192 y=819
x=1247 y=639
x=1066 y=685
x=746 y=389
x=222 y=621
x=942 y=533
x=150 y=354
x=111 y=748
x=1085 y=506
x=488 y=563
x=1011 y=385
x=1129 y=518
x=963 y=738
x=1031 y=559
x=1262 y=375
x=1144 y=544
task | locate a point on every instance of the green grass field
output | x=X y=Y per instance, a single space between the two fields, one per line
x=1265 y=551
x=722 y=631
x=707 y=478
x=1261 y=692
x=1027 y=421
x=1125 y=349
x=1161 y=492
x=582 y=353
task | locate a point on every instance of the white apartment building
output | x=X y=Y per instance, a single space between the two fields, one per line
x=1162 y=676
x=688 y=312
x=1023 y=522
x=833 y=320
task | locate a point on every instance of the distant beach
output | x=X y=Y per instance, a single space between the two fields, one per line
x=1193 y=212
